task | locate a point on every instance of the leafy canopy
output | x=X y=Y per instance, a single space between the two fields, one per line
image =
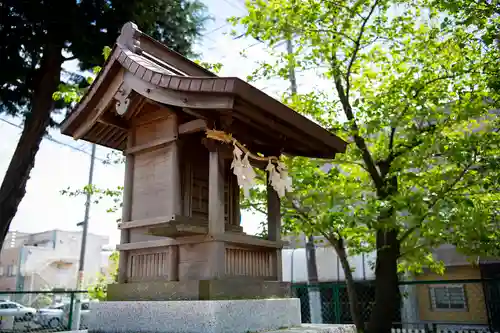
x=82 y=31
x=411 y=95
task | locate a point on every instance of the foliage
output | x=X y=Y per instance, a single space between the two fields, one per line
x=98 y=290
x=84 y=30
x=215 y=67
x=42 y=301
x=413 y=99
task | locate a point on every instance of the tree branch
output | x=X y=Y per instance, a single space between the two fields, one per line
x=357 y=45
x=391 y=139
x=439 y=197
x=350 y=162
x=401 y=149
x=255 y=207
x=413 y=249
x=301 y=212
x=424 y=86
x=359 y=141
x=333 y=32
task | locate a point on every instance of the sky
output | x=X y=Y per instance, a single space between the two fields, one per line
x=63 y=162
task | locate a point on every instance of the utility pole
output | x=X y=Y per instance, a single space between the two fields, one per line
x=75 y=325
x=312 y=269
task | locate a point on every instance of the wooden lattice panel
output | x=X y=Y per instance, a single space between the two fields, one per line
x=148 y=265
x=247 y=262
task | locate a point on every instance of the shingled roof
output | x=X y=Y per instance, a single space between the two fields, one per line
x=143 y=75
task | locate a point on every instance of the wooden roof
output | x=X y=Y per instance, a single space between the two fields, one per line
x=143 y=76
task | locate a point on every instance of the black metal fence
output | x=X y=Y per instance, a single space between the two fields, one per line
x=425 y=306
x=40 y=311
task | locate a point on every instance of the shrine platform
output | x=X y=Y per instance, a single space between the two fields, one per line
x=236 y=316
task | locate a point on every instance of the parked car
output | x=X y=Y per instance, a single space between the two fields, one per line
x=84 y=319
x=51 y=317
x=19 y=311
x=57 y=316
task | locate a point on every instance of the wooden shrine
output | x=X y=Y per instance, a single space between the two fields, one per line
x=180 y=232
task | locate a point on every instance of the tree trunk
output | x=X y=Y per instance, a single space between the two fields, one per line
x=352 y=294
x=13 y=187
x=386 y=282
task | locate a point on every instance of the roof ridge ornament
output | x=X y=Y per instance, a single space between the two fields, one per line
x=129 y=37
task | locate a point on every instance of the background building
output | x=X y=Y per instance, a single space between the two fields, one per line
x=466 y=297
x=48 y=260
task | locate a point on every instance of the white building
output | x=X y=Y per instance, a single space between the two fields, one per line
x=48 y=260
x=328 y=264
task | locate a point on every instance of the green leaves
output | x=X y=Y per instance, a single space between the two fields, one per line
x=98 y=290
x=413 y=93
x=98 y=195
x=216 y=67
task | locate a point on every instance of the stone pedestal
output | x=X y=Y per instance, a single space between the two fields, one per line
x=225 y=289
x=235 y=316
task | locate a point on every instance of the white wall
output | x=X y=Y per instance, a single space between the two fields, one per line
x=328 y=264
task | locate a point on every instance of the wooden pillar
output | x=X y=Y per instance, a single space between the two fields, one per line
x=174 y=202
x=235 y=201
x=126 y=209
x=174 y=170
x=274 y=227
x=216 y=255
x=187 y=186
x=273 y=214
x=215 y=194
x=173 y=263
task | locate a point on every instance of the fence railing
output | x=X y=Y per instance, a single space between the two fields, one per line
x=438 y=306
x=40 y=311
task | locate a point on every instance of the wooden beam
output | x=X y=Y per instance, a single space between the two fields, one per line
x=195 y=113
x=254 y=115
x=164 y=242
x=150 y=113
x=146 y=244
x=112 y=120
x=102 y=106
x=152 y=145
x=145 y=222
x=247 y=241
x=197 y=125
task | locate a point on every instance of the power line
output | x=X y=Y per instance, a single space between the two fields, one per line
x=215 y=29
x=50 y=138
x=230 y=3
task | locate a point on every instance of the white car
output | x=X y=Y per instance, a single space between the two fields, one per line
x=57 y=316
x=85 y=310
x=51 y=317
x=19 y=311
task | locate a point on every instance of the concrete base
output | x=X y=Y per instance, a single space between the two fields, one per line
x=304 y=328
x=225 y=289
x=318 y=328
x=237 y=316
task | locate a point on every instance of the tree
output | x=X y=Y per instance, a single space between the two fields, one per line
x=410 y=91
x=37 y=38
x=99 y=289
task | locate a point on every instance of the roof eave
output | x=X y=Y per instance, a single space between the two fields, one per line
x=67 y=124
